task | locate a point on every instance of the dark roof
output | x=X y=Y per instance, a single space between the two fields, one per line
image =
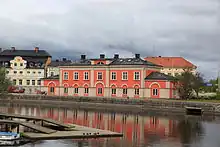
x=79 y=63
x=55 y=77
x=159 y=76
x=27 y=53
x=60 y=63
x=132 y=61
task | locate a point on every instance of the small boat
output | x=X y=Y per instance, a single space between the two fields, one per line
x=9 y=136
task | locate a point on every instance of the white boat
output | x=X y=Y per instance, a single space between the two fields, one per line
x=9 y=136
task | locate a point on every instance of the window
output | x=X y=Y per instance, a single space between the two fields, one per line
x=76 y=76
x=125 y=91
x=136 y=75
x=15 y=64
x=39 y=72
x=99 y=76
x=169 y=74
x=33 y=82
x=14 y=82
x=15 y=72
x=113 y=90
x=33 y=72
x=113 y=75
x=176 y=74
x=51 y=73
x=76 y=90
x=86 y=90
x=21 y=64
x=21 y=72
x=124 y=75
x=86 y=75
x=28 y=82
x=66 y=76
x=38 y=82
x=28 y=72
x=99 y=90
x=7 y=72
x=100 y=63
x=65 y=90
x=136 y=91
x=20 y=82
x=52 y=89
x=155 y=92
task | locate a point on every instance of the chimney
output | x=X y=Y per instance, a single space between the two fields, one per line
x=13 y=48
x=64 y=59
x=57 y=60
x=0 y=50
x=102 y=56
x=83 y=57
x=160 y=56
x=116 y=56
x=137 y=56
x=36 y=49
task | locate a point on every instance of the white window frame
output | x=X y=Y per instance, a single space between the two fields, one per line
x=155 y=92
x=123 y=75
x=66 y=75
x=52 y=89
x=137 y=91
x=125 y=91
x=114 y=91
x=136 y=73
x=86 y=90
x=38 y=82
x=76 y=75
x=28 y=82
x=33 y=81
x=113 y=74
x=86 y=75
x=76 y=90
x=20 y=80
x=98 y=75
x=99 y=90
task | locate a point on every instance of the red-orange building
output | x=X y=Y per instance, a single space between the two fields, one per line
x=111 y=77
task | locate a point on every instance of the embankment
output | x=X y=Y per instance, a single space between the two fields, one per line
x=112 y=104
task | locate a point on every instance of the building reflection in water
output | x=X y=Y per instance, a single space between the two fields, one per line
x=137 y=130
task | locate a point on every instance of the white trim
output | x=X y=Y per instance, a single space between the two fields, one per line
x=137 y=85
x=65 y=84
x=48 y=83
x=113 y=85
x=98 y=75
x=64 y=75
x=99 y=82
x=134 y=75
x=74 y=75
x=122 y=75
x=75 y=84
x=124 y=85
x=153 y=84
x=115 y=75
x=85 y=85
x=84 y=75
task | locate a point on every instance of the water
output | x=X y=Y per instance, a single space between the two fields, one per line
x=150 y=130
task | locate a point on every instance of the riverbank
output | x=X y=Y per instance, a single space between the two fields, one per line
x=113 y=104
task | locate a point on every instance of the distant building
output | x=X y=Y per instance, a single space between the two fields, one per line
x=110 y=77
x=25 y=68
x=172 y=66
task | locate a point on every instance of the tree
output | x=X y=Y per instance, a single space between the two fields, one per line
x=4 y=81
x=188 y=83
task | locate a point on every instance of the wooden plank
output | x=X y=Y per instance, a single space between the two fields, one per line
x=56 y=123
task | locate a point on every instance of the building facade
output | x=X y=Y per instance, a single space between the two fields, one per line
x=172 y=66
x=25 y=68
x=110 y=77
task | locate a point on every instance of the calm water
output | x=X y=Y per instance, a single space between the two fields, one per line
x=148 y=130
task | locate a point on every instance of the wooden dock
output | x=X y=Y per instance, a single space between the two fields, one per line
x=45 y=131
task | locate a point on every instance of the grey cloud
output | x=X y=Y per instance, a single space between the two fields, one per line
x=150 y=27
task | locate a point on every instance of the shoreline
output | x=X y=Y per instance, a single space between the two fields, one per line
x=113 y=104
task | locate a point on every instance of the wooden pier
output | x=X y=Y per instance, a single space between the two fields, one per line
x=43 y=129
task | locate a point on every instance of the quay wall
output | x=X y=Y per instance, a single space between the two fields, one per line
x=112 y=104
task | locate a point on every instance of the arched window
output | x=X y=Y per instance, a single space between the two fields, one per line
x=136 y=90
x=113 y=90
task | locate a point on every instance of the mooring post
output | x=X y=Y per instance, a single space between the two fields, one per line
x=18 y=129
x=42 y=123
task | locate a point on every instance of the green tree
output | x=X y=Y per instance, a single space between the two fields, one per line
x=4 y=81
x=188 y=84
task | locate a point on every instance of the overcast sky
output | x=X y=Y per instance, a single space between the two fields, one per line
x=188 y=28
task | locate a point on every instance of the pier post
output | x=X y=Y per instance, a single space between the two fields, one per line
x=42 y=123
x=18 y=128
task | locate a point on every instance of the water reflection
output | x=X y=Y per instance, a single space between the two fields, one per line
x=138 y=130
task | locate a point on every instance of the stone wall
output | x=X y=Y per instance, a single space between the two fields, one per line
x=117 y=104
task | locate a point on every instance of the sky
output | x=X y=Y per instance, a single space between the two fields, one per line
x=69 y=28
